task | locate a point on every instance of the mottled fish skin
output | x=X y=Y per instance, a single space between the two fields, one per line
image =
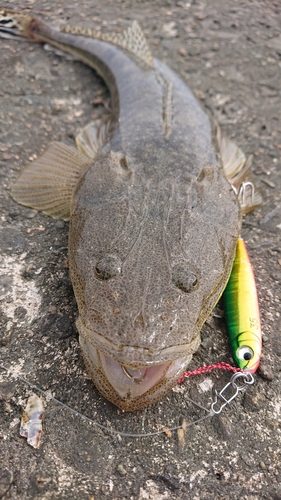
x=153 y=226
x=157 y=203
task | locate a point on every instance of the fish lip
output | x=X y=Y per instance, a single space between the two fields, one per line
x=134 y=356
x=131 y=388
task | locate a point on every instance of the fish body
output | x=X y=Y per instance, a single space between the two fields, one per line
x=242 y=312
x=153 y=220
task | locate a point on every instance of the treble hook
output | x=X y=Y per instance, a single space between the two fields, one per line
x=135 y=379
x=241 y=192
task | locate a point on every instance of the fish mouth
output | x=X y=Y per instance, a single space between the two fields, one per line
x=131 y=382
x=127 y=386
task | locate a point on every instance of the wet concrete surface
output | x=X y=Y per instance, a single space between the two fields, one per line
x=229 y=53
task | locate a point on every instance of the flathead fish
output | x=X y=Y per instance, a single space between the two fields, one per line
x=155 y=203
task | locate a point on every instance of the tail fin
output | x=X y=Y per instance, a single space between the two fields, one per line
x=19 y=25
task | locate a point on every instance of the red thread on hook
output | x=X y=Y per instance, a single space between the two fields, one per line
x=208 y=368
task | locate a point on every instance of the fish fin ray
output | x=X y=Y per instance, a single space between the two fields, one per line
x=232 y=157
x=93 y=137
x=132 y=39
x=237 y=170
x=47 y=183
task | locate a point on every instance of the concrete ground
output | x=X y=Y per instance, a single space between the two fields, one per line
x=229 y=53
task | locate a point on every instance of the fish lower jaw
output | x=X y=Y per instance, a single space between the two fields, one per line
x=130 y=387
x=131 y=382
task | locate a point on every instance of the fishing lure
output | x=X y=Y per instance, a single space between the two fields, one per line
x=242 y=312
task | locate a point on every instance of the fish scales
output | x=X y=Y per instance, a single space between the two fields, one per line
x=153 y=220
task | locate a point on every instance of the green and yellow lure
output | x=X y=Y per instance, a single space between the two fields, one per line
x=242 y=312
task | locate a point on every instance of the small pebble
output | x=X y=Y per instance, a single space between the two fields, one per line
x=167 y=431
x=121 y=469
x=182 y=52
x=199 y=15
x=262 y=465
x=246 y=459
x=269 y=183
x=60 y=224
x=266 y=372
x=181 y=439
x=200 y=94
x=6 y=391
x=265 y=339
x=276 y=276
x=14 y=211
x=29 y=213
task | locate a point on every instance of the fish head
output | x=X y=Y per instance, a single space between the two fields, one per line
x=148 y=262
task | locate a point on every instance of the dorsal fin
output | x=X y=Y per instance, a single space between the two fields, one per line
x=132 y=39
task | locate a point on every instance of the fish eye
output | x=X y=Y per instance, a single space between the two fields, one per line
x=184 y=278
x=107 y=267
x=245 y=353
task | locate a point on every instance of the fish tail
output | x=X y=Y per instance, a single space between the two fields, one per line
x=19 y=25
x=24 y=26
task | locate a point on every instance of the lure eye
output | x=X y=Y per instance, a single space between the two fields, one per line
x=245 y=353
x=108 y=267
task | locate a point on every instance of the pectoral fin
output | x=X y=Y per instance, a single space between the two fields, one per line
x=232 y=157
x=93 y=137
x=47 y=183
x=237 y=170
